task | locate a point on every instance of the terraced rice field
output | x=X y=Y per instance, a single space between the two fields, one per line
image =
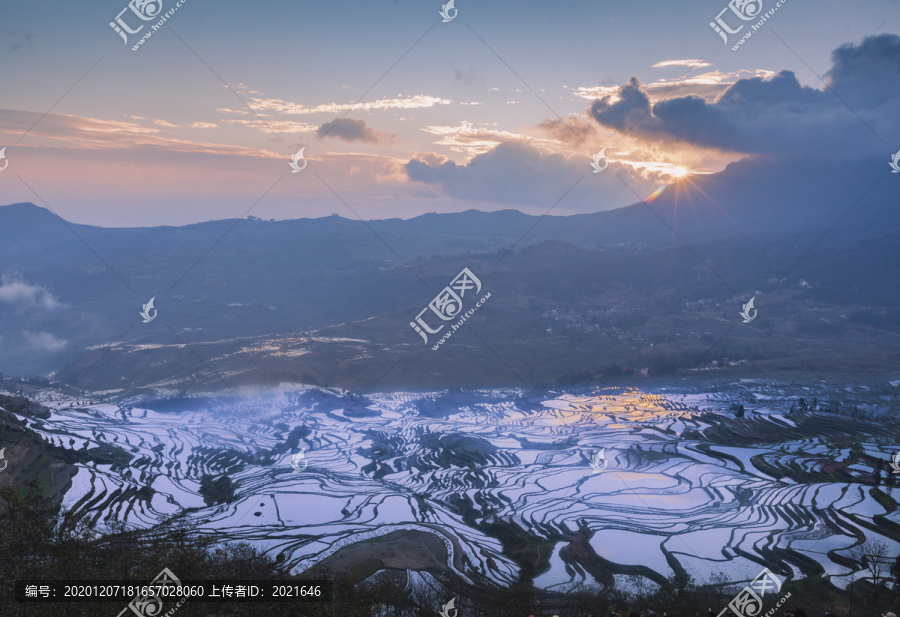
x=684 y=480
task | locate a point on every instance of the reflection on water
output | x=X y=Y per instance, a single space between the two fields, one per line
x=469 y=466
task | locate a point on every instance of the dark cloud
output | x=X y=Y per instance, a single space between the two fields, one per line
x=850 y=118
x=467 y=77
x=351 y=129
x=573 y=131
x=517 y=173
x=633 y=104
x=756 y=92
x=777 y=116
x=19 y=41
x=512 y=172
x=868 y=73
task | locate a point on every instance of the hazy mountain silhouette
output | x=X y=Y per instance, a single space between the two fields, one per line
x=66 y=285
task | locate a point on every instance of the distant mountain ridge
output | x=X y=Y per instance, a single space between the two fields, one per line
x=751 y=196
x=223 y=279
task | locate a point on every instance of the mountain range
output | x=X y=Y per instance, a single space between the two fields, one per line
x=330 y=300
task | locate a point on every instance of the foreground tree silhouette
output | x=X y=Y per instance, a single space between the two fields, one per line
x=39 y=542
x=873 y=555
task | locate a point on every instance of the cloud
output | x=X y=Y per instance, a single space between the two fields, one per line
x=591 y=93
x=776 y=116
x=467 y=77
x=694 y=63
x=507 y=174
x=279 y=126
x=21 y=294
x=518 y=173
x=44 y=341
x=286 y=107
x=94 y=134
x=351 y=129
x=630 y=104
x=574 y=130
x=471 y=139
x=19 y=40
x=228 y=110
x=709 y=85
x=869 y=73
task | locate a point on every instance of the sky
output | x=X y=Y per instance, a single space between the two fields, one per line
x=400 y=113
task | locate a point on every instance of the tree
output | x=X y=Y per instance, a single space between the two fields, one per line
x=217 y=490
x=873 y=555
x=895 y=578
x=39 y=541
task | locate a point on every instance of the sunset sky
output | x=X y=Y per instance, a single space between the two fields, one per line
x=201 y=121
